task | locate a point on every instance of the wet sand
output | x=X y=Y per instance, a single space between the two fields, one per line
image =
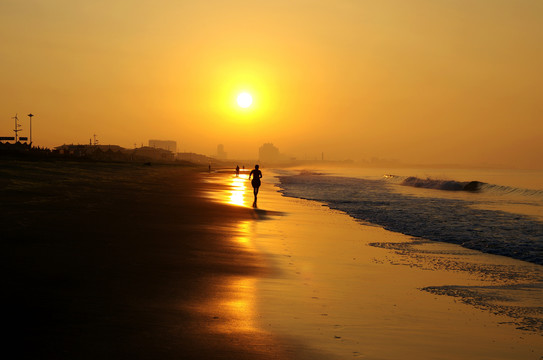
x=127 y=261
x=351 y=290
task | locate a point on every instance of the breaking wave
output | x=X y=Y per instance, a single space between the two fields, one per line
x=431 y=217
x=453 y=185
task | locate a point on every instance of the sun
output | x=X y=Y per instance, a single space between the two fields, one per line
x=245 y=100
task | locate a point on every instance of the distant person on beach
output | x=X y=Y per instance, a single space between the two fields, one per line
x=237 y=171
x=256 y=174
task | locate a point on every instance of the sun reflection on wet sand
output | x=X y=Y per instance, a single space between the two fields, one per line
x=233 y=308
x=244 y=234
x=238 y=307
x=240 y=304
x=234 y=193
x=237 y=191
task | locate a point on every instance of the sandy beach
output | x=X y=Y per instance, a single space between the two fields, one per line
x=120 y=261
x=130 y=261
x=352 y=290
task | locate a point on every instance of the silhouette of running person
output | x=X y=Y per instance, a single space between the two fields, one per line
x=256 y=174
x=237 y=171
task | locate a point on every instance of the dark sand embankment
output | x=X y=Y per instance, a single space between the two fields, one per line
x=105 y=261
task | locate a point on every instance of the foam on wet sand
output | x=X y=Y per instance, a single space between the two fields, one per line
x=353 y=290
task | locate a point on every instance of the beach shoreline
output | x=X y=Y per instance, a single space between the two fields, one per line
x=355 y=290
x=132 y=261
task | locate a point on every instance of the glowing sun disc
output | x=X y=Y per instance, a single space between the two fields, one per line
x=245 y=100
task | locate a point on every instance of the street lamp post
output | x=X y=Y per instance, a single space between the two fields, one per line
x=30 y=117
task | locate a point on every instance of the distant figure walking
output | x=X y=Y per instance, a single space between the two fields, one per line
x=237 y=171
x=256 y=174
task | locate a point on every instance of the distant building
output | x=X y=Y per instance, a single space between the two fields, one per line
x=116 y=153
x=269 y=153
x=193 y=158
x=221 y=154
x=95 y=152
x=152 y=153
x=82 y=150
x=169 y=145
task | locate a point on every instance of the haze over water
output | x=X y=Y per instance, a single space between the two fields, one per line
x=422 y=82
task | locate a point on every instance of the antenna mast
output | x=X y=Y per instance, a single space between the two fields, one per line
x=17 y=126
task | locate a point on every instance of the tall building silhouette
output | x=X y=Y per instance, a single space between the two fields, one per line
x=269 y=153
x=221 y=154
x=164 y=144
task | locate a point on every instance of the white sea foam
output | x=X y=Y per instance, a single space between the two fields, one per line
x=434 y=215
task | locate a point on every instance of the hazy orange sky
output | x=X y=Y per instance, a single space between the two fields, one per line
x=421 y=81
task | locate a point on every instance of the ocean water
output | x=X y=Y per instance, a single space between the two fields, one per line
x=497 y=212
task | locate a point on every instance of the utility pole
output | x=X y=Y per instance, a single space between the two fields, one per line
x=30 y=117
x=17 y=126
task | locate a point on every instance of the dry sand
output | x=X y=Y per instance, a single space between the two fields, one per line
x=127 y=261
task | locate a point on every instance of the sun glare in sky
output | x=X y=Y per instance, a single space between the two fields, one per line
x=245 y=100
